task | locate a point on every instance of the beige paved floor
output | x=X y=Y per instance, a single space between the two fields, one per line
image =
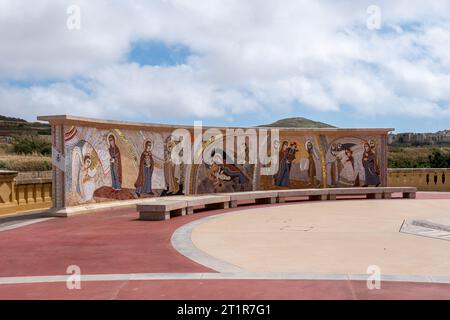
x=329 y=237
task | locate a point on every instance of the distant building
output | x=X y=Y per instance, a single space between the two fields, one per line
x=6 y=139
x=420 y=138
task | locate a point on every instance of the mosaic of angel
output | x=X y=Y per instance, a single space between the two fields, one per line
x=86 y=171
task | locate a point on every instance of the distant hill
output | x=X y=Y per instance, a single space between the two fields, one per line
x=4 y=118
x=298 y=122
x=10 y=127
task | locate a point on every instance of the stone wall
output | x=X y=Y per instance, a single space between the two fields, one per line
x=99 y=160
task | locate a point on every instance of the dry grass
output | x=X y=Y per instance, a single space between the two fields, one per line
x=22 y=163
x=25 y=163
x=6 y=149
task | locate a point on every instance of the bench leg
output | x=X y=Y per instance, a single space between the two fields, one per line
x=233 y=204
x=331 y=197
x=409 y=195
x=318 y=197
x=213 y=206
x=178 y=212
x=387 y=195
x=189 y=210
x=154 y=216
x=266 y=200
x=374 y=196
x=281 y=200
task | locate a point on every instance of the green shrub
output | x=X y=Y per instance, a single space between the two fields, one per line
x=31 y=146
x=439 y=160
x=418 y=157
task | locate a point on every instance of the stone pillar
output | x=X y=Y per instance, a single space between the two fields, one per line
x=58 y=174
x=384 y=161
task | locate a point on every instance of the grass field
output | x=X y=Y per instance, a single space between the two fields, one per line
x=23 y=163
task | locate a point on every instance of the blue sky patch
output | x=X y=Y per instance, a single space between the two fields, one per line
x=158 y=53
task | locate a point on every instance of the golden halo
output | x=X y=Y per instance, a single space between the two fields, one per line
x=151 y=144
x=306 y=143
x=111 y=135
x=276 y=144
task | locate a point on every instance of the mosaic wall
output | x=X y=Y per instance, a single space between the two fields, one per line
x=327 y=161
x=119 y=164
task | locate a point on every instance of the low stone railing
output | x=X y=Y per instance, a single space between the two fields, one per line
x=424 y=179
x=24 y=192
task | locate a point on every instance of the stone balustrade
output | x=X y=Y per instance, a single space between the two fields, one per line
x=425 y=179
x=22 y=193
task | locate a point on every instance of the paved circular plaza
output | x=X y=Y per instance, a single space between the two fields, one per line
x=334 y=237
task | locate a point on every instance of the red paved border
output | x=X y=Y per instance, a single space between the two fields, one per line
x=227 y=289
x=103 y=242
x=116 y=242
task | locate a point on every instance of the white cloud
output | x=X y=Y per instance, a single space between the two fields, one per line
x=248 y=57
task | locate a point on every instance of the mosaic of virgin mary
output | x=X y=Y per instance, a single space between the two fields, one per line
x=115 y=164
x=143 y=183
x=370 y=164
x=286 y=156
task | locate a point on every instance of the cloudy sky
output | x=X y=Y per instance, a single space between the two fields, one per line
x=239 y=62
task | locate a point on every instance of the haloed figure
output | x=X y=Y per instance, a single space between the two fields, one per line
x=88 y=172
x=334 y=165
x=282 y=176
x=115 y=164
x=226 y=171
x=370 y=164
x=144 y=181
x=173 y=173
x=233 y=171
x=349 y=176
x=292 y=150
x=311 y=162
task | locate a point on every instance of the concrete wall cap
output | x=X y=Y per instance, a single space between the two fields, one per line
x=83 y=121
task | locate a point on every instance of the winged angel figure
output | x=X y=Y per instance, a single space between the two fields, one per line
x=89 y=168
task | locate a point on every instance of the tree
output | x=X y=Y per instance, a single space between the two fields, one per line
x=439 y=160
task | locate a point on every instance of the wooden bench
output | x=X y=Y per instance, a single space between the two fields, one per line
x=260 y=197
